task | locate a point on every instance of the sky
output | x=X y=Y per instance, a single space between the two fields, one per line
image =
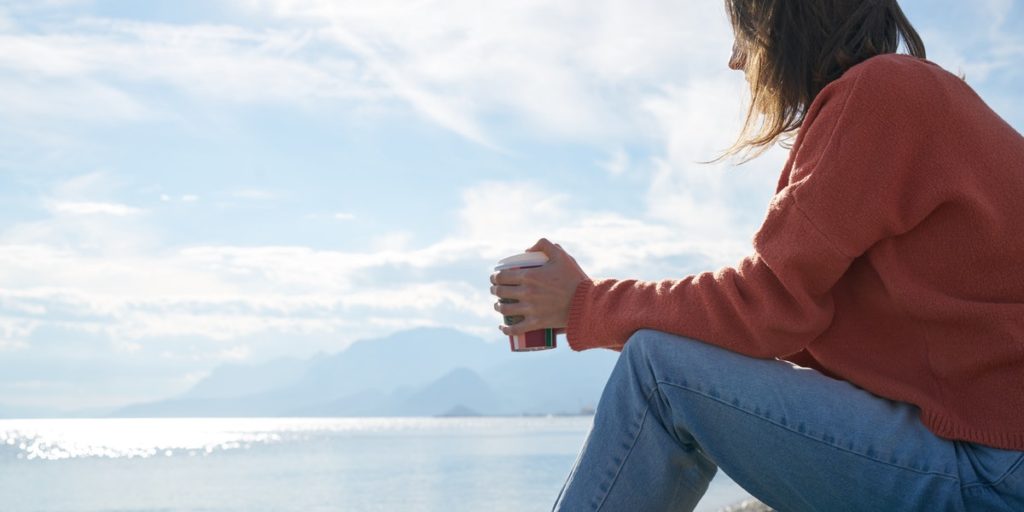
x=191 y=183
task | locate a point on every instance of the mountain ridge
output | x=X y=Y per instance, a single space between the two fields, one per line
x=418 y=372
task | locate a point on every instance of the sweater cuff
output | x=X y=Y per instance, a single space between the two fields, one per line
x=575 y=331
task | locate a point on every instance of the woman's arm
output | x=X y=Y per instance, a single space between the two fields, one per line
x=855 y=177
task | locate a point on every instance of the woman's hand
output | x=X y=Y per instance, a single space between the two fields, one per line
x=543 y=293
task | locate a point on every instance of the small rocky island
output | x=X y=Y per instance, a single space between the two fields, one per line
x=748 y=506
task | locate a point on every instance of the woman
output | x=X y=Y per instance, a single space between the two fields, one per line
x=869 y=354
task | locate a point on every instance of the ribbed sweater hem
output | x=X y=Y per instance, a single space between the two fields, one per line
x=578 y=341
x=946 y=428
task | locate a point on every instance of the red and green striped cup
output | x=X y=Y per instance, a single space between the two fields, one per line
x=541 y=339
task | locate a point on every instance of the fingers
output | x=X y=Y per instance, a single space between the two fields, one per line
x=531 y=298
x=512 y=320
x=509 y=277
x=514 y=313
x=512 y=308
x=508 y=292
x=522 y=327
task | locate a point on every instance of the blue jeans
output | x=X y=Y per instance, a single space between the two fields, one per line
x=675 y=410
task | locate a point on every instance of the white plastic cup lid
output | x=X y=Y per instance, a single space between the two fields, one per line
x=526 y=259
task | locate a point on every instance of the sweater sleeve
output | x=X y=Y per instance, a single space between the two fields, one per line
x=769 y=305
x=845 y=188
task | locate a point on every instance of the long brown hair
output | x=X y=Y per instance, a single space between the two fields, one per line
x=794 y=48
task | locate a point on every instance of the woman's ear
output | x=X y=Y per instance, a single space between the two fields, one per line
x=738 y=59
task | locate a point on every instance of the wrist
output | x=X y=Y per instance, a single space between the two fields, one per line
x=575 y=326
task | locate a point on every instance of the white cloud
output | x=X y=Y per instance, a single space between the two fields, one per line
x=5 y=20
x=93 y=69
x=395 y=241
x=133 y=298
x=576 y=71
x=570 y=69
x=235 y=353
x=500 y=218
x=254 y=194
x=707 y=201
x=617 y=163
x=7 y=345
x=14 y=332
x=615 y=75
x=979 y=41
x=94 y=208
x=72 y=99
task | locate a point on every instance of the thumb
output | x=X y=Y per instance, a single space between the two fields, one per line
x=545 y=246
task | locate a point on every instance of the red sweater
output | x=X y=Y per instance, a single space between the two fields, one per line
x=892 y=256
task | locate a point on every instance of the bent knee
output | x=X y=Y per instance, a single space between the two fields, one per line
x=639 y=342
x=648 y=343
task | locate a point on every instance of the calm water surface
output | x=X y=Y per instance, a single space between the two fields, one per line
x=294 y=464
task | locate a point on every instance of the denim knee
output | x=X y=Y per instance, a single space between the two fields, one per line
x=655 y=346
x=637 y=356
x=640 y=346
x=654 y=354
x=664 y=357
x=634 y=341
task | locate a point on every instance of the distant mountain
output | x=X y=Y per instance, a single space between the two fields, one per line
x=408 y=358
x=460 y=387
x=421 y=372
x=553 y=381
x=459 y=411
x=233 y=380
x=17 y=412
x=361 y=403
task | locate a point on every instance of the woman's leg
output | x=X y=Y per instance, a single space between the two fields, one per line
x=675 y=408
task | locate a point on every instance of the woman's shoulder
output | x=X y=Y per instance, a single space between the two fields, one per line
x=896 y=86
x=887 y=100
x=897 y=78
x=888 y=64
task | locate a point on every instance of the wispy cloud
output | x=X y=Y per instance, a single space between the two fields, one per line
x=637 y=91
x=14 y=332
x=93 y=208
x=617 y=163
x=98 y=69
x=12 y=345
x=572 y=70
x=225 y=294
x=254 y=194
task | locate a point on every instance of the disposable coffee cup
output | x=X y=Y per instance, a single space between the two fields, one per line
x=541 y=339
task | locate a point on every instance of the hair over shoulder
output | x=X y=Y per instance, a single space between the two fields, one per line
x=794 y=48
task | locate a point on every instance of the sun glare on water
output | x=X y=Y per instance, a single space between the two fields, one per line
x=149 y=437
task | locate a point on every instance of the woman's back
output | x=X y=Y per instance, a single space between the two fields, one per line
x=908 y=174
x=887 y=257
x=890 y=257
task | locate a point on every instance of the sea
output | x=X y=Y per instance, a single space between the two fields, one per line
x=490 y=464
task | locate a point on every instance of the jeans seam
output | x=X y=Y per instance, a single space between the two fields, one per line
x=636 y=436
x=802 y=434
x=572 y=471
x=1013 y=467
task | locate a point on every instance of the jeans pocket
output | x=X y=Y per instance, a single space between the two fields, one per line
x=1014 y=475
x=988 y=465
